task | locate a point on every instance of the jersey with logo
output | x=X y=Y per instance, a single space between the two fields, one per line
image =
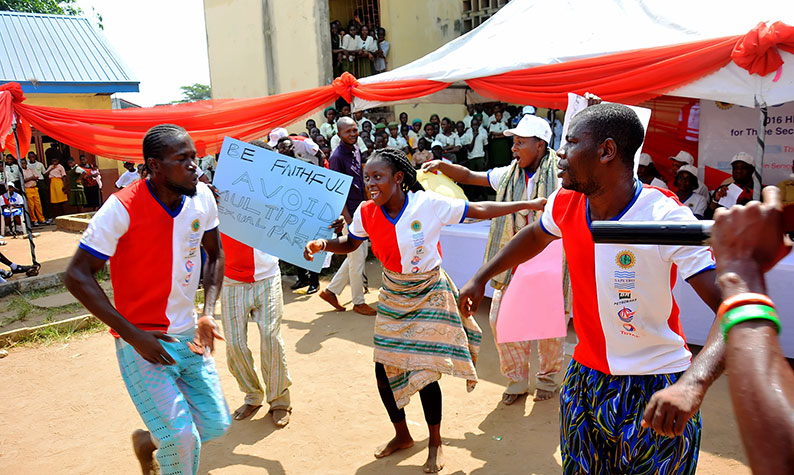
x=408 y=244
x=154 y=254
x=246 y=264
x=623 y=306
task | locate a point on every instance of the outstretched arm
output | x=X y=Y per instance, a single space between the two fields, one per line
x=525 y=245
x=493 y=209
x=457 y=173
x=341 y=245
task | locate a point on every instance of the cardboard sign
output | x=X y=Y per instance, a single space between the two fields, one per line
x=276 y=203
x=532 y=306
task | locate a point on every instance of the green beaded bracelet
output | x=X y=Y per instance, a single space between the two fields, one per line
x=748 y=312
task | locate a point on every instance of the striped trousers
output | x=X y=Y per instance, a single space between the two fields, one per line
x=182 y=404
x=514 y=358
x=263 y=303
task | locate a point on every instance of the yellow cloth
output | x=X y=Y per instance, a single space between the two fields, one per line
x=56 y=191
x=34 y=205
x=440 y=184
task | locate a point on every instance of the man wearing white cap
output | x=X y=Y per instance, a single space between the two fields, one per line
x=686 y=180
x=647 y=173
x=686 y=158
x=532 y=174
x=305 y=149
x=742 y=175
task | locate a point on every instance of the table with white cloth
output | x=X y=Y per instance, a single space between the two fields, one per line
x=696 y=317
x=463 y=250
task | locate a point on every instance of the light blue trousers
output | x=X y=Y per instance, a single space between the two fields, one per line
x=182 y=405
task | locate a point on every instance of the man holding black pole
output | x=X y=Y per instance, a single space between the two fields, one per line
x=630 y=399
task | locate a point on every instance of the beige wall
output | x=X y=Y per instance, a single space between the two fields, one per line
x=415 y=28
x=236 y=48
x=262 y=47
x=258 y=48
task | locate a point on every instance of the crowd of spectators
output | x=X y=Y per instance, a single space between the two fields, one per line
x=360 y=48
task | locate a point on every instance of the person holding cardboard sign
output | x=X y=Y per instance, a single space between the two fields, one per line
x=404 y=224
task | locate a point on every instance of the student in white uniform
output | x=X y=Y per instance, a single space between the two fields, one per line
x=685 y=158
x=687 y=182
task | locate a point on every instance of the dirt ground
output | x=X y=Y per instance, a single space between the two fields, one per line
x=65 y=410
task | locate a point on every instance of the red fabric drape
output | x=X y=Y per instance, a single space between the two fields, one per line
x=757 y=51
x=628 y=77
x=118 y=133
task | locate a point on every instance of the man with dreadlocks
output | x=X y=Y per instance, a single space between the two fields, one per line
x=532 y=174
x=418 y=332
x=151 y=232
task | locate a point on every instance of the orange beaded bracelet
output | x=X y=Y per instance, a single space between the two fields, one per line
x=743 y=299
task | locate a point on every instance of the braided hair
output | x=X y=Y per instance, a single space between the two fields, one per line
x=399 y=162
x=158 y=139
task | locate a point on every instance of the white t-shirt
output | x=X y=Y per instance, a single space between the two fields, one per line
x=495 y=177
x=38 y=168
x=398 y=142
x=498 y=126
x=380 y=63
x=335 y=141
x=416 y=230
x=451 y=140
x=328 y=130
x=697 y=204
x=128 y=178
x=478 y=150
x=623 y=305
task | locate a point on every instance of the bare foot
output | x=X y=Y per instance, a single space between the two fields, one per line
x=281 y=416
x=435 y=459
x=508 y=399
x=543 y=395
x=397 y=443
x=144 y=448
x=244 y=411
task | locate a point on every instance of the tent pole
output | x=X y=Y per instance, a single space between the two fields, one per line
x=26 y=210
x=761 y=139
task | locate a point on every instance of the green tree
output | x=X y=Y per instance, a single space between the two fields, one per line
x=51 y=7
x=195 y=92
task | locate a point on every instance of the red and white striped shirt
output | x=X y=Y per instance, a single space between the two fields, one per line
x=154 y=254
x=408 y=244
x=623 y=306
x=246 y=264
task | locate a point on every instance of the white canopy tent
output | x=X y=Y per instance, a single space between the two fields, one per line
x=539 y=32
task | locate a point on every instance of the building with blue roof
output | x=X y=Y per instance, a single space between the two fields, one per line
x=63 y=61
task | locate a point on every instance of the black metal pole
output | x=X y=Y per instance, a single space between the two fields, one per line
x=26 y=211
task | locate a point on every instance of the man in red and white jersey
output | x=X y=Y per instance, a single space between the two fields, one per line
x=252 y=289
x=151 y=232
x=630 y=399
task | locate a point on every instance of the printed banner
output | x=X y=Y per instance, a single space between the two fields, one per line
x=277 y=203
x=727 y=129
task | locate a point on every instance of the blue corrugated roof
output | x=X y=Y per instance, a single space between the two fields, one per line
x=59 y=54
